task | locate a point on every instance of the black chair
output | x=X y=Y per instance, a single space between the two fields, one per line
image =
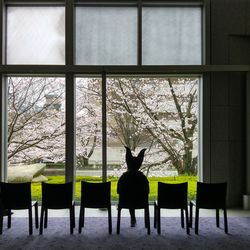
x=133 y=193
x=210 y=196
x=95 y=195
x=17 y=196
x=57 y=196
x=171 y=196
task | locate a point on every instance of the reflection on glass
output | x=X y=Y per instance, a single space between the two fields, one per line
x=35 y=35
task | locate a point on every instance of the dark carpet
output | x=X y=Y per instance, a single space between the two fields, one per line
x=95 y=235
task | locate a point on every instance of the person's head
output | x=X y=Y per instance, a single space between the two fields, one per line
x=134 y=162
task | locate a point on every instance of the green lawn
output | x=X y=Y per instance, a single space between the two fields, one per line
x=36 y=187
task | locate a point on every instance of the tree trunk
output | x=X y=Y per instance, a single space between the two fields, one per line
x=187 y=165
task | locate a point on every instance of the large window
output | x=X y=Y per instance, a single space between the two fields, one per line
x=82 y=79
x=156 y=113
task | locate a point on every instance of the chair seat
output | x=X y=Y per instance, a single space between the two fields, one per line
x=170 y=206
x=193 y=202
x=33 y=203
x=132 y=206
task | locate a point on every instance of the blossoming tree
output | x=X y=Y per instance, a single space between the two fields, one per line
x=157 y=113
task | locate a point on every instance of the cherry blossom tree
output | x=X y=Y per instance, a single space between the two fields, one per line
x=160 y=114
x=35 y=118
x=88 y=118
x=157 y=113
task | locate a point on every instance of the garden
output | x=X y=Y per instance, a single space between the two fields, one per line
x=192 y=180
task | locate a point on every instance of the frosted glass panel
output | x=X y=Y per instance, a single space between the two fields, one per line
x=35 y=35
x=106 y=36
x=171 y=35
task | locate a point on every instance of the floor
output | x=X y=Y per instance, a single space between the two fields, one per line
x=139 y=213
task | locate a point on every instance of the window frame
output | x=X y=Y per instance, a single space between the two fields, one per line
x=69 y=70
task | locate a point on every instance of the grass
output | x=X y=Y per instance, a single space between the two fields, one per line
x=192 y=180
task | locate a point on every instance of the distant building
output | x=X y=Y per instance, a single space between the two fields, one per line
x=53 y=102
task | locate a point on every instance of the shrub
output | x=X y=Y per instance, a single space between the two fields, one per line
x=192 y=180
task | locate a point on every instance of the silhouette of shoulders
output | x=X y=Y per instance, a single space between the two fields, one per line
x=133 y=181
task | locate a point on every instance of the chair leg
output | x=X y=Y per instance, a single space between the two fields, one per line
x=30 y=221
x=80 y=220
x=187 y=222
x=191 y=215
x=36 y=214
x=118 y=221
x=225 y=221
x=9 y=218
x=41 y=221
x=147 y=216
x=155 y=214
x=71 y=219
x=1 y=221
x=196 y=220
x=74 y=216
x=83 y=216
x=158 y=220
x=46 y=218
x=217 y=217
x=110 y=220
x=182 y=218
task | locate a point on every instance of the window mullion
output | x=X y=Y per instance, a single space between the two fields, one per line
x=70 y=94
x=3 y=104
x=4 y=130
x=69 y=26
x=139 y=31
x=104 y=127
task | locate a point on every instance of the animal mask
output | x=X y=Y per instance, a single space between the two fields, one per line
x=134 y=162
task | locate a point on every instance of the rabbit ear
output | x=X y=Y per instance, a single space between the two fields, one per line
x=140 y=157
x=129 y=157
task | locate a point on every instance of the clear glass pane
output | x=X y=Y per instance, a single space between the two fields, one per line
x=88 y=130
x=159 y=114
x=106 y=36
x=35 y=35
x=171 y=35
x=36 y=130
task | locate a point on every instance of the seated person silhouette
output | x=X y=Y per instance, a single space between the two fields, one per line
x=133 y=185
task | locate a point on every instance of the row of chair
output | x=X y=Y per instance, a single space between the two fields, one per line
x=174 y=196
x=97 y=195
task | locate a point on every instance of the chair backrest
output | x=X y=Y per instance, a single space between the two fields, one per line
x=133 y=190
x=95 y=195
x=211 y=195
x=172 y=195
x=56 y=196
x=15 y=195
